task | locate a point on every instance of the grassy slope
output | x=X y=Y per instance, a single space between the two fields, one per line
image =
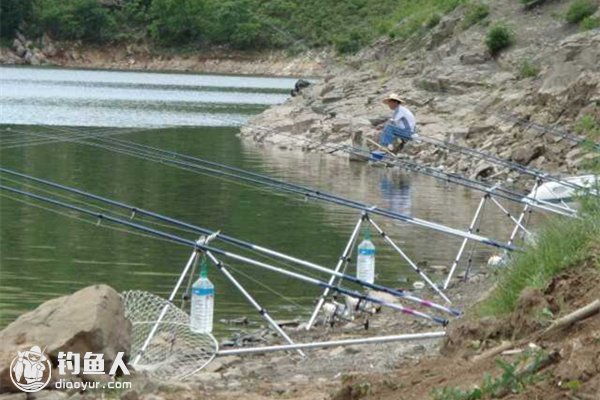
x=561 y=244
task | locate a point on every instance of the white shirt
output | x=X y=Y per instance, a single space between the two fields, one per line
x=403 y=112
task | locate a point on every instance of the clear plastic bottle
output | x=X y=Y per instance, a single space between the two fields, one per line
x=203 y=297
x=365 y=262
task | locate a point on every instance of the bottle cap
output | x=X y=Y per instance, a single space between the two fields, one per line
x=203 y=267
x=367 y=233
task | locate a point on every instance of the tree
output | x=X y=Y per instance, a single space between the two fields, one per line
x=12 y=13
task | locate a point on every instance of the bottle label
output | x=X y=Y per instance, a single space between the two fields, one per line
x=366 y=252
x=203 y=291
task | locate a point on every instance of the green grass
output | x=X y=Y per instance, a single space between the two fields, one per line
x=562 y=243
x=589 y=127
x=499 y=37
x=475 y=13
x=411 y=17
x=589 y=23
x=528 y=69
x=509 y=380
x=580 y=9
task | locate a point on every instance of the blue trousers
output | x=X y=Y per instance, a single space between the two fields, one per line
x=391 y=132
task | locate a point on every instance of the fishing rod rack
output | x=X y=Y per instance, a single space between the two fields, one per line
x=520 y=226
x=345 y=259
x=168 y=321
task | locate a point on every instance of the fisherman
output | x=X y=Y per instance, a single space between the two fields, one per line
x=400 y=126
x=30 y=365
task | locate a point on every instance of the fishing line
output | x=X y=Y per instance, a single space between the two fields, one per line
x=137 y=147
x=220 y=252
x=311 y=193
x=95 y=206
x=151 y=222
x=496 y=160
x=87 y=221
x=228 y=239
x=129 y=231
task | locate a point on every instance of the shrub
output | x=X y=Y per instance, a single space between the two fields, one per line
x=75 y=19
x=179 y=22
x=12 y=13
x=475 y=13
x=589 y=23
x=348 y=43
x=528 y=70
x=580 y=9
x=498 y=38
x=433 y=20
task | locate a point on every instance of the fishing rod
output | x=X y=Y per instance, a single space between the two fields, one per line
x=426 y=170
x=506 y=193
x=497 y=160
x=232 y=240
x=297 y=189
x=205 y=248
x=546 y=129
x=40 y=139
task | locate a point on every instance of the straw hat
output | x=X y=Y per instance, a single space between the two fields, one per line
x=394 y=96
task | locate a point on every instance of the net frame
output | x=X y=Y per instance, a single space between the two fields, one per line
x=174 y=351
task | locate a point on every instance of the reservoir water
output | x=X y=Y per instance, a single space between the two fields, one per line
x=47 y=252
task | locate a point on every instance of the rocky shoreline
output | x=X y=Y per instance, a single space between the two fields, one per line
x=458 y=93
x=134 y=57
x=269 y=375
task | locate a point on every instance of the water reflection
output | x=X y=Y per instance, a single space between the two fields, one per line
x=396 y=192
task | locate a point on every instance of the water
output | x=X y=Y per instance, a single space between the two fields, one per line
x=46 y=252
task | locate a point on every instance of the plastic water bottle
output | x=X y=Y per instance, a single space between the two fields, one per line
x=365 y=262
x=203 y=298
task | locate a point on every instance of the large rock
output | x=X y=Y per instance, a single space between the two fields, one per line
x=91 y=319
x=524 y=154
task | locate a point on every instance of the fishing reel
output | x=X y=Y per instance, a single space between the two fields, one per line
x=348 y=311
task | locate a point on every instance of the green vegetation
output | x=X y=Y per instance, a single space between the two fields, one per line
x=12 y=12
x=433 y=21
x=589 y=23
x=580 y=9
x=237 y=24
x=475 y=13
x=527 y=69
x=510 y=380
x=560 y=245
x=589 y=127
x=498 y=38
x=74 y=20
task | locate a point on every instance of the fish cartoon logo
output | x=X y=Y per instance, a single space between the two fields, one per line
x=30 y=370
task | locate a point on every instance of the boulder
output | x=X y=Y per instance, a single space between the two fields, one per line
x=91 y=319
x=526 y=154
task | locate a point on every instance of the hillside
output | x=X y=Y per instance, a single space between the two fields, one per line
x=458 y=91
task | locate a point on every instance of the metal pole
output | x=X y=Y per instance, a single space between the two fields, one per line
x=508 y=214
x=408 y=260
x=166 y=307
x=523 y=212
x=262 y=311
x=203 y=247
x=226 y=238
x=343 y=259
x=334 y=343
x=465 y=240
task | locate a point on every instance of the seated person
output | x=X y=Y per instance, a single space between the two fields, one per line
x=400 y=126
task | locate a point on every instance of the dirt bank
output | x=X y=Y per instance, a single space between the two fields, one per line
x=564 y=363
x=141 y=57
